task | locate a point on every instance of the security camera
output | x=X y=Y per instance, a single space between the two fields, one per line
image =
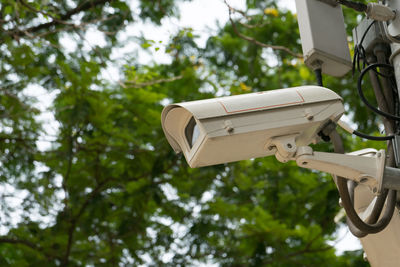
x=234 y=128
x=280 y=122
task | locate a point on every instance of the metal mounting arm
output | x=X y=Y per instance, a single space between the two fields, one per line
x=366 y=170
x=366 y=166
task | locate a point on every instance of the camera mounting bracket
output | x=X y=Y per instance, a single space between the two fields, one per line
x=366 y=166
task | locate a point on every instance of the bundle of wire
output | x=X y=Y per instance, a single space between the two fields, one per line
x=379 y=79
x=360 y=55
x=381 y=76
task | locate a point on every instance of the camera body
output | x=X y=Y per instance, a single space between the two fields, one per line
x=234 y=128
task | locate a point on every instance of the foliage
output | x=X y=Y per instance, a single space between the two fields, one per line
x=109 y=190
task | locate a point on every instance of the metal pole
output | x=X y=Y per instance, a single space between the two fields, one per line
x=391 y=178
x=396 y=63
x=395 y=47
x=394 y=29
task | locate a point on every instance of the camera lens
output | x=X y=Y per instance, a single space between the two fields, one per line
x=192 y=132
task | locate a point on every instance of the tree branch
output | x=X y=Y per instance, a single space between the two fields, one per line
x=31 y=8
x=134 y=84
x=249 y=18
x=68 y=171
x=306 y=249
x=25 y=243
x=75 y=219
x=16 y=32
x=254 y=41
x=20 y=242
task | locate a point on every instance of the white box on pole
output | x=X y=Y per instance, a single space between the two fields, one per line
x=323 y=37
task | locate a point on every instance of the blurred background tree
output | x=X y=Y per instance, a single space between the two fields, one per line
x=109 y=191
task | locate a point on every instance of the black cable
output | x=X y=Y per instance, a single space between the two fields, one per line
x=353 y=216
x=347 y=201
x=374 y=215
x=356 y=225
x=366 y=31
x=375 y=138
x=364 y=53
x=354 y=230
x=360 y=51
x=339 y=148
x=357 y=6
x=318 y=75
x=362 y=96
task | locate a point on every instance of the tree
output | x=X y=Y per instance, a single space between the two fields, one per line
x=109 y=190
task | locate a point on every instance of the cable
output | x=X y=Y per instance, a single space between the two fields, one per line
x=354 y=230
x=339 y=148
x=353 y=216
x=374 y=215
x=350 y=130
x=362 y=96
x=360 y=53
x=346 y=188
x=318 y=75
x=386 y=89
x=358 y=49
x=357 y=6
x=374 y=138
x=380 y=95
x=347 y=202
x=374 y=11
x=366 y=31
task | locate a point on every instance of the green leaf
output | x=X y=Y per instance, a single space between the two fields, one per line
x=8 y=10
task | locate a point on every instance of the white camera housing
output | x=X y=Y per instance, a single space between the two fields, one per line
x=234 y=128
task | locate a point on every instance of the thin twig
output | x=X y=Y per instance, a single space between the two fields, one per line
x=241 y=12
x=253 y=26
x=16 y=32
x=134 y=84
x=305 y=250
x=26 y=243
x=254 y=41
x=75 y=219
x=31 y=8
